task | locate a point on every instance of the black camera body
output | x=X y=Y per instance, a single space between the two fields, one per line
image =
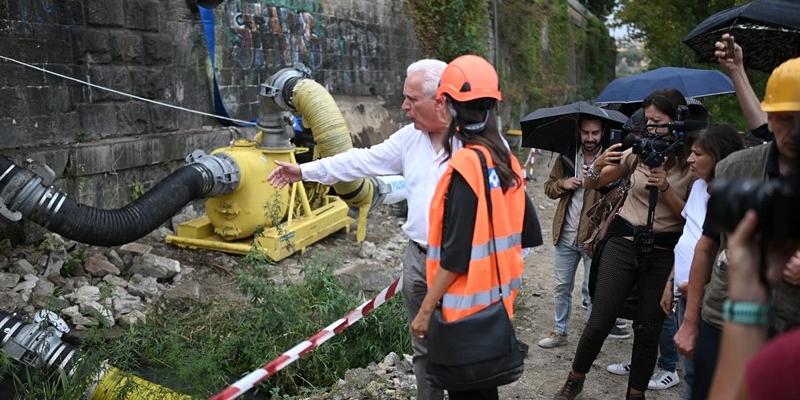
x=775 y=202
x=653 y=150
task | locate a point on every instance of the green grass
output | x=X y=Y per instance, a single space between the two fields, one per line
x=202 y=348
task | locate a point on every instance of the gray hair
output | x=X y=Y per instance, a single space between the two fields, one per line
x=432 y=70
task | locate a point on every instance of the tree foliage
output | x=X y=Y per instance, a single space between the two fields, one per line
x=600 y=8
x=662 y=25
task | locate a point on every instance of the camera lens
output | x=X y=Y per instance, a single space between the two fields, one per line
x=730 y=200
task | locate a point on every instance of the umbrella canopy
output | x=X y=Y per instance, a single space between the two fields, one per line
x=556 y=128
x=696 y=109
x=690 y=82
x=767 y=30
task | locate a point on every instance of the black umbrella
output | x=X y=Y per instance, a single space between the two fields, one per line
x=556 y=128
x=767 y=30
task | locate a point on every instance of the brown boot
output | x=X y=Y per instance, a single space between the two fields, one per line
x=631 y=396
x=572 y=388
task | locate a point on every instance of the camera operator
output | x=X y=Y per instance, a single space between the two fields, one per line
x=633 y=253
x=700 y=334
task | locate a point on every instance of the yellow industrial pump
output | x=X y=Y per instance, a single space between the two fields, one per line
x=286 y=220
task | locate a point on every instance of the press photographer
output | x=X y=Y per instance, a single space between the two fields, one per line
x=756 y=178
x=618 y=262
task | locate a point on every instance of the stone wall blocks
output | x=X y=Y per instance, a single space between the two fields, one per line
x=142 y=15
x=126 y=47
x=105 y=13
x=159 y=49
x=92 y=46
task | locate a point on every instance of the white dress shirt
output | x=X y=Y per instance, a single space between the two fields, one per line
x=407 y=152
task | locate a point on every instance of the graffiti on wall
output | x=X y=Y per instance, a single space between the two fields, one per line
x=41 y=11
x=359 y=47
x=272 y=36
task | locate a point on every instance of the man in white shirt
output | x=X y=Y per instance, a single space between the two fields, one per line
x=416 y=152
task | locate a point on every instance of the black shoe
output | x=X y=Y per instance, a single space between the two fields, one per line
x=571 y=390
x=523 y=347
x=585 y=305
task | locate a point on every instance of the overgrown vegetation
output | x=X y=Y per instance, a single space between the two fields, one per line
x=447 y=29
x=545 y=58
x=662 y=26
x=201 y=348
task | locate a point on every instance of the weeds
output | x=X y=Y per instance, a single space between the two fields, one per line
x=201 y=349
x=137 y=189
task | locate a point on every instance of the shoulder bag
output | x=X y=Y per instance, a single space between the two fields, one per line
x=603 y=211
x=480 y=351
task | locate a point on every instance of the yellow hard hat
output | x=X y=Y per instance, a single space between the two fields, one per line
x=783 y=88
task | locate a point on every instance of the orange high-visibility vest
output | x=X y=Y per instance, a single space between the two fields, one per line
x=479 y=287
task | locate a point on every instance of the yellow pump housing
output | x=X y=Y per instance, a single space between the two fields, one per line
x=237 y=215
x=256 y=216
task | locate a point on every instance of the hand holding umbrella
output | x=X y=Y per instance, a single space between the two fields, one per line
x=571 y=183
x=768 y=29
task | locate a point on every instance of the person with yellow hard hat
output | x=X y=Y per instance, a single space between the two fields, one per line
x=717 y=303
x=475 y=230
x=758 y=307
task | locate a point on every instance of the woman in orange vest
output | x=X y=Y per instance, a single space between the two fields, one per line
x=464 y=243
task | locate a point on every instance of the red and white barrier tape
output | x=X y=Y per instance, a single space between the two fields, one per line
x=254 y=378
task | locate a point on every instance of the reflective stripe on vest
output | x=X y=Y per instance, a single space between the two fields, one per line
x=484 y=250
x=485 y=298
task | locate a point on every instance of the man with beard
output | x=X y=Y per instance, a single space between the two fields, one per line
x=571 y=226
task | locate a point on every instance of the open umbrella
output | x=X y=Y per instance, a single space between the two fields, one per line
x=696 y=109
x=691 y=82
x=767 y=30
x=556 y=128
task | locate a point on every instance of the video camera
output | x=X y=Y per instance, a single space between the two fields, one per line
x=652 y=150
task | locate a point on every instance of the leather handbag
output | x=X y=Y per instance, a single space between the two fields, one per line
x=603 y=211
x=480 y=351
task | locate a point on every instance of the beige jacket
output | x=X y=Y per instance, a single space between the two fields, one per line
x=563 y=169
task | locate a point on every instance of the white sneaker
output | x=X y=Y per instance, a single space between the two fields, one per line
x=554 y=340
x=663 y=379
x=623 y=368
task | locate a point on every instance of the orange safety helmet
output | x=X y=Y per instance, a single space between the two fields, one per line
x=469 y=77
x=783 y=88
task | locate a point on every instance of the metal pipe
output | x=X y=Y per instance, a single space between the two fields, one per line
x=25 y=194
x=38 y=344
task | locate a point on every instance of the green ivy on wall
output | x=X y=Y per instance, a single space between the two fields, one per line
x=543 y=49
x=447 y=29
x=545 y=59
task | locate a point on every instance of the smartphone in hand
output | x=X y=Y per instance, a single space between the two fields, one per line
x=614 y=137
x=730 y=49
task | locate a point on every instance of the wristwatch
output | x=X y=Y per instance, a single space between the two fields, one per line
x=746 y=312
